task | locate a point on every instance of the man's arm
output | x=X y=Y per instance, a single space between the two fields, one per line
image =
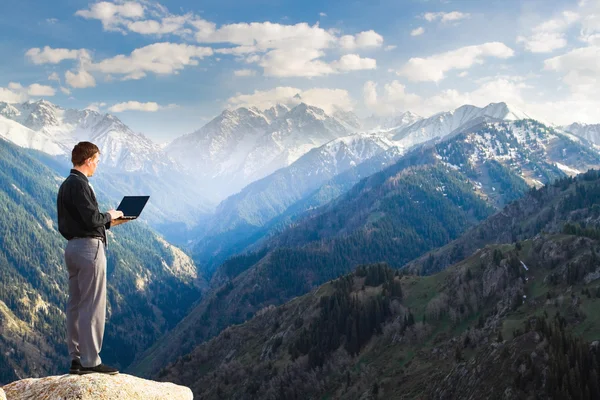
x=81 y=197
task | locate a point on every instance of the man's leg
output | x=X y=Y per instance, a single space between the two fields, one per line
x=72 y=305
x=92 y=306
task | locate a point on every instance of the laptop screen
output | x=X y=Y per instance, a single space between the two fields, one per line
x=132 y=206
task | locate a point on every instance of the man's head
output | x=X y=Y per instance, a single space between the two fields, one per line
x=85 y=157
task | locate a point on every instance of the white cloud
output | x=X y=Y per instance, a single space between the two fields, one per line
x=433 y=68
x=238 y=50
x=580 y=68
x=8 y=95
x=158 y=58
x=137 y=106
x=282 y=50
x=51 y=21
x=113 y=15
x=54 y=56
x=543 y=42
x=167 y=25
x=322 y=14
x=362 y=40
x=40 y=90
x=81 y=79
x=446 y=17
x=329 y=100
x=17 y=93
x=395 y=98
x=390 y=47
x=65 y=90
x=417 y=32
x=295 y=62
x=54 y=77
x=96 y=106
x=549 y=35
x=590 y=23
x=305 y=63
x=353 y=62
x=244 y=72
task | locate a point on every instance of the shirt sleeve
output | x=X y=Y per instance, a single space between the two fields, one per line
x=82 y=200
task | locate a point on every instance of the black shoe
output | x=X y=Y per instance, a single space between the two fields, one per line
x=100 y=369
x=75 y=367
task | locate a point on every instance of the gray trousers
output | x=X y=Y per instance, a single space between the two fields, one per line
x=86 y=307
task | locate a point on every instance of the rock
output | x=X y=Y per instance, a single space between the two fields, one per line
x=95 y=386
x=2 y=395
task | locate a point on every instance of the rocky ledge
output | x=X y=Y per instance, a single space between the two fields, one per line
x=94 y=386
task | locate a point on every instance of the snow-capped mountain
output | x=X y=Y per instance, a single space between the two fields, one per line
x=250 y=214
x=536 y=153
x=131 y=163
x=350 y=120
x=54 y=130
x=590 y=132
x=444 y=123
x=25 y=137
x=268 y=197
x=243 y=145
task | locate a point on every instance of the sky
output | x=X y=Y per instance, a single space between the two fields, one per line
x=166 y=68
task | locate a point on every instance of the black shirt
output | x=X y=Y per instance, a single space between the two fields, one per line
x=78 y=213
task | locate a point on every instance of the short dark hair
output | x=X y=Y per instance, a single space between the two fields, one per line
x=82 y=151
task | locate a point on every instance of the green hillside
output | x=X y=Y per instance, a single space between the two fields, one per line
x=484 y=328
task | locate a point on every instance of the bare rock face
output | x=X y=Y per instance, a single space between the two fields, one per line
x=94 y=386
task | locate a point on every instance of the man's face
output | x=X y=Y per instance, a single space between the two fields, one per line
x=93 y=163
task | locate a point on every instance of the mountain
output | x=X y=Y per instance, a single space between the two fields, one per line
x=244 y=145
x=150 y=282
x=444 y=123
x=239 y=218
x=567 y=201
x=131 y=163
x=501 y=159
x=589 y=132
x=393 y=219
x=508 y=321
x=428 y=197
x=63 y=128
x=269 y=205
x=497 y=320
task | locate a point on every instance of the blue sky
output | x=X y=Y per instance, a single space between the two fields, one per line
x=165 y=68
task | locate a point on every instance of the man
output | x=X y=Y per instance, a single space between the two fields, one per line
x=84 y=226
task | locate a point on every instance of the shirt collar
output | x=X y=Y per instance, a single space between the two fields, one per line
x=80 y=174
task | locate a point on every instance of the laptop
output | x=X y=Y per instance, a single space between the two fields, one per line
x=132 y=206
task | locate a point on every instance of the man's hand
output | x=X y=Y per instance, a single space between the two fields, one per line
x=116 y=222
x=114 y=214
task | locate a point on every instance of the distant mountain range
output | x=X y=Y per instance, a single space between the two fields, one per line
x=535 y=152
x=274 y=159
x=429 y=196
x=131 y=163
x=590 y=132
